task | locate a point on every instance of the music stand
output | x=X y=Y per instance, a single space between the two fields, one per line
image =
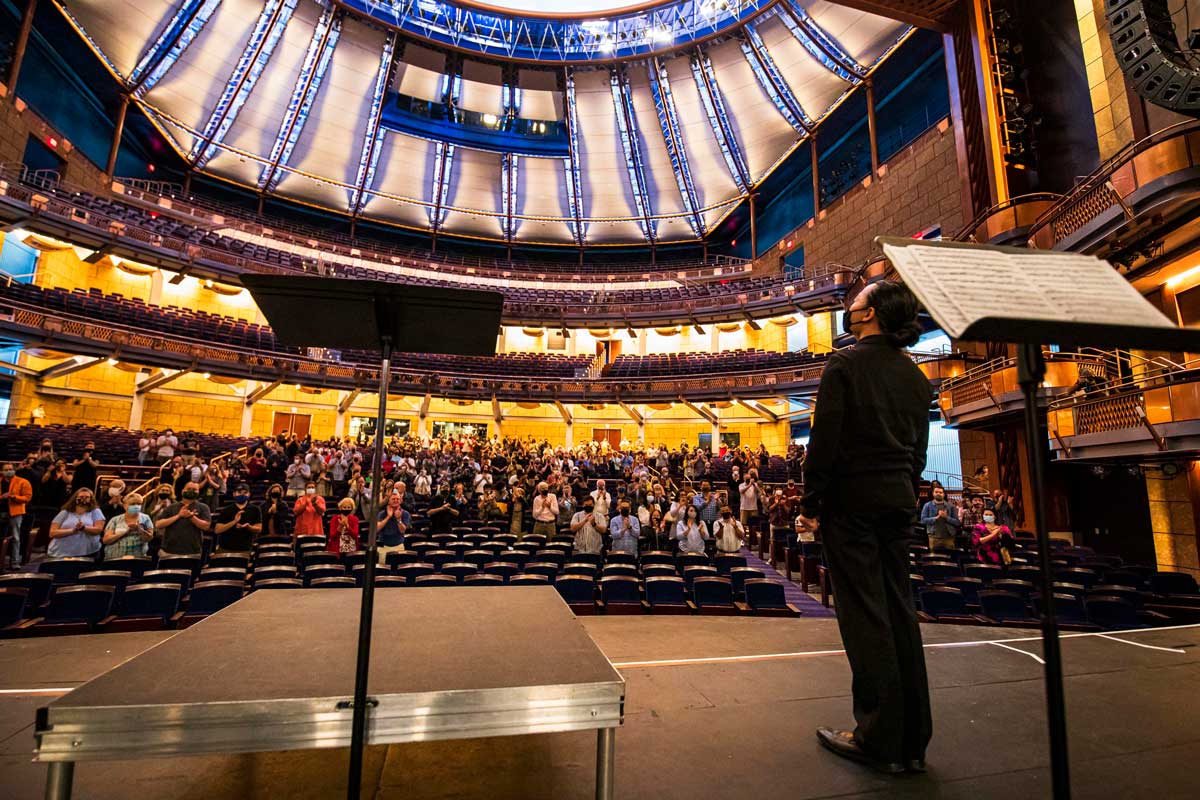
x=307 y=311
x=1057 y=275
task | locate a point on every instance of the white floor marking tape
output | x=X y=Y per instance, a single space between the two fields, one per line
x=1034 y=656
x=676 y=662
x=1147 y=646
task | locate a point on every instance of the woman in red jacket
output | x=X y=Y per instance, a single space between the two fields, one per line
x=343 y=529
x=310 y=513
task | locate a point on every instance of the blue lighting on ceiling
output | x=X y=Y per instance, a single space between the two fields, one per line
x=631 y=144
x=443 y=164
x=508 y=194
x=574 y=182
x=664 y=105
x=426 y=119
x=612 y=35
x=718 y=120
x=368 y=159
x=796 y=18
x=267 y=33
x=308 y=84
x=180 y=32
x=772 y=81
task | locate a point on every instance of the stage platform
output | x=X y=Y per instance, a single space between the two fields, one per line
x=716 y=707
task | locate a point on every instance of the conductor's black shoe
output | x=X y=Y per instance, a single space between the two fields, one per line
x=842 y=743
x=915 y=765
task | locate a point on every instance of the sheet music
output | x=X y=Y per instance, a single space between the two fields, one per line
x=961 y=285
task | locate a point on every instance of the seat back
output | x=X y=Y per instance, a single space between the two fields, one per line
x=763 y=593
x=984 y=572
x=542 y=568
x=221 y=574
x=188 y=563
x=580 y=568
x=80 y=604
x=1069 y=608
x=528 y=580
x=968 y=586
x=659 y=571
x=279 y=583
x=1000 y=605
x=182 y=577
x=37 y=586
x=739 y=575
x=709 y=590
x=210 y=597
x=459 y=570
x=1173 y=583
x=232 y=560
x=943 y=600
x=435 y=580
x=666 y=590
x=576 y=588
x=316 y=573
x=1022 y=588
x=1113 y=613
x=343 y=582
x=410 y=572
x=725 y=562
x=940 y=571
x=67 y=570
x=13 y=602
x=274 y=560
x=620 y=589
x=484 y=579
x=629 y=570
x=151 y=600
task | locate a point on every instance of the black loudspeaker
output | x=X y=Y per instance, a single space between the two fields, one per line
x=1144 y=41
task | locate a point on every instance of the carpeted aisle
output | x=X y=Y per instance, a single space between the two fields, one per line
x=792 y=591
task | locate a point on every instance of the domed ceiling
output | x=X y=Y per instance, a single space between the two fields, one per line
x=583 y=122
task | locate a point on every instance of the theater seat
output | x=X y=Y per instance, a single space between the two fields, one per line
x=766 y=598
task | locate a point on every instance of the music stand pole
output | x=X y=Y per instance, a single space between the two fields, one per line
x=358 y=736
x=1031 y=369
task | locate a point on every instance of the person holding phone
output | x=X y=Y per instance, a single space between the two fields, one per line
x=129 y=533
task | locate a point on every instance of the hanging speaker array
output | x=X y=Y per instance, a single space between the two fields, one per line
x=1149 y=53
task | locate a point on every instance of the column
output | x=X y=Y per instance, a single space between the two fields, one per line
x=716 y=437
x=816 y=175
x=871 y=134
x=136 y=408
x=115 y=148
x=642 y=334
x=714 y=342
x=156 y=288
x=570 y=439
x=422 y=426
x=820 y=332
x=339 y=421
x=641 y=434
x=247 y=410
x=1173 y=505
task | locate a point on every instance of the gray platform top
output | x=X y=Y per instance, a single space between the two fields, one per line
x=276 y=645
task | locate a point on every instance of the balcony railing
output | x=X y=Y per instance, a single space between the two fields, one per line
x=1007 y=222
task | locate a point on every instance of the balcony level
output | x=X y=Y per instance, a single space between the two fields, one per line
x=1149 y=418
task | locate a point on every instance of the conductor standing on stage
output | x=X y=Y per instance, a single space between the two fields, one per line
x=867 y=450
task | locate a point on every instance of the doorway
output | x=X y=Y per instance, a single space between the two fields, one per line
x=610 y=435
x=291 y=423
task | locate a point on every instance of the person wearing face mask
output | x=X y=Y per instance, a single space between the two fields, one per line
x=128 y=533
x=545 y=512
x=940 y=518
x=85 y=469
x=691 y=532
x=15 y=493
x=276 y=513
x=75 y=531
x=184 y=524
x=779 y=515
x=160 y=501
x=729 y=532
x=991 y=541
x=588 y=525
x=393 y=524
x=113 y=504
x=238 y=523
x=309 y=511
x=625 y=530
x=866 y=452
x=298 y=475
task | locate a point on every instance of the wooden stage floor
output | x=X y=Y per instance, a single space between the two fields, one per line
x=717 y=707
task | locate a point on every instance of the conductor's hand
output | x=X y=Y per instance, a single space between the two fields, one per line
x=808 y=524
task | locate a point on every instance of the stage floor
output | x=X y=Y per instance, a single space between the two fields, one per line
x=717 y=707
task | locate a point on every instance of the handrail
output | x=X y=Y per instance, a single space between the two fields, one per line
x=1104 y=172
x=1132 y=385
x=969 y=229
x=1004 y=362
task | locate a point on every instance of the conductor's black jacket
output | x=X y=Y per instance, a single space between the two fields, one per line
x=870 y=430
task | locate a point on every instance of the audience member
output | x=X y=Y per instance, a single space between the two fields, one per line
x=113 y=504
x=128 y=533
x=309 y=512
x=971 y=513
x=393 y=524
x=625 y=530
x=343 y=529
x=15 y=493
x=602 y=498
x=545 y=512
x=990 y=540
x=588 y=526
x=184 y=524
x=276 y=513
x=691 y=532
x=75 y=531
x=940 y=519
x=298 y=475
x=238 y=523
x=779 y=516
x=729 y=532
x=85 y=469
x=166 y=444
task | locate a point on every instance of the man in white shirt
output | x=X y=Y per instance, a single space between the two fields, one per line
x=602 y=498
x=588 y=527
x=166 y=444
x=545 y=512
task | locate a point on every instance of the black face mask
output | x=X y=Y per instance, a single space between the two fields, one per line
x=848 y=318
x=624 y=512
x=589 y=509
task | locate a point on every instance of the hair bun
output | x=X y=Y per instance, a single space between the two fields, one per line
x=907 y=335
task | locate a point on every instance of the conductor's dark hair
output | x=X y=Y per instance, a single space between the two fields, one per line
x=896 y=308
